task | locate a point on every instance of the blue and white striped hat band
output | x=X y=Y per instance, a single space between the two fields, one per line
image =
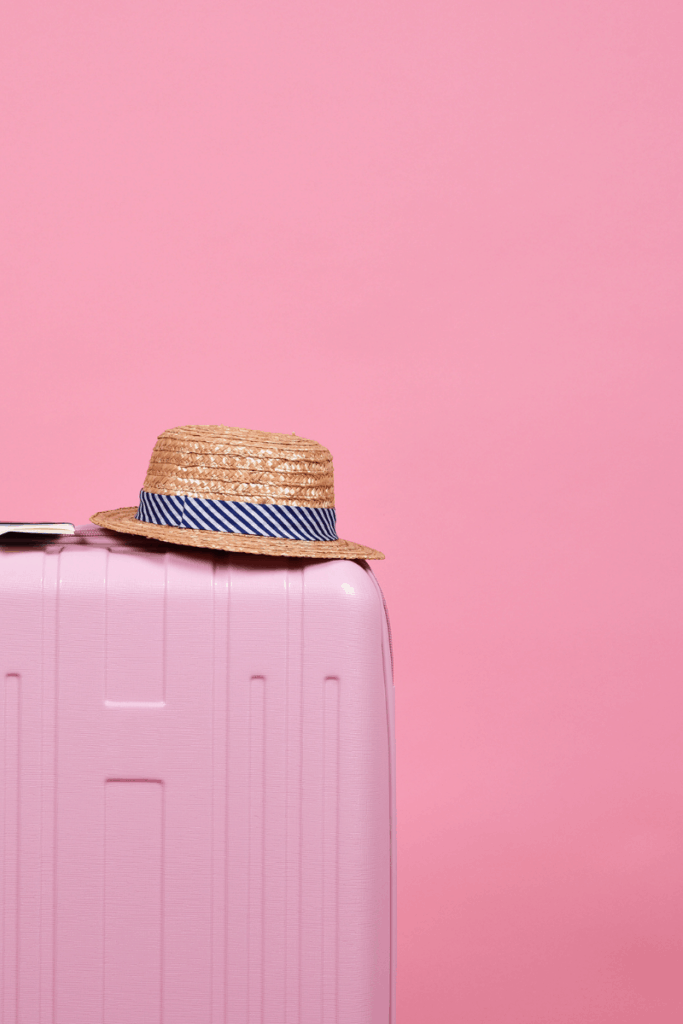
x=247 y=491
x=290 y=522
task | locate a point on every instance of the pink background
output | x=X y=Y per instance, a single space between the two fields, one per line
x=444 y=239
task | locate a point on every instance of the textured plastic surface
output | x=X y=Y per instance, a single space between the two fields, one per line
x=197 y=788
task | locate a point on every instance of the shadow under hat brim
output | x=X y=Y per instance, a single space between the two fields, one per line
x=123 y=521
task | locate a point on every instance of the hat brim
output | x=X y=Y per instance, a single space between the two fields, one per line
x=123 y=521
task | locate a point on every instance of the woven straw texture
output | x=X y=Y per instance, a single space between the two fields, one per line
x=232 y=464
x=229 y=464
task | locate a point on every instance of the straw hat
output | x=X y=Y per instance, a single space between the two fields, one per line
x=238 y=490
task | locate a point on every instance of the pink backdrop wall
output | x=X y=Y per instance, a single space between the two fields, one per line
x=444 y=239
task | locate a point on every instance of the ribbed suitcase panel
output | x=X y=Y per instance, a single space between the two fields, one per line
x=346 y=822
x=196 y=790
x=257 y=788
x=28 y=611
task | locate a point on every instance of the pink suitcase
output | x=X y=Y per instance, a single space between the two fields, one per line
x=197 y=787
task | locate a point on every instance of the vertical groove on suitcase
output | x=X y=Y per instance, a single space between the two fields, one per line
x=255 y=914
x=11 y=846
x=330 y=816
x=220 y=587
x=45 y=729
x=133 y=909
x=256 y=877
x=291 y=935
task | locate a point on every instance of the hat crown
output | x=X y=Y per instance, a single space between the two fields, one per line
x=234 y=464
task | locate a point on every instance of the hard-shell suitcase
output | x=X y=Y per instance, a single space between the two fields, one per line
x=197 y=787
